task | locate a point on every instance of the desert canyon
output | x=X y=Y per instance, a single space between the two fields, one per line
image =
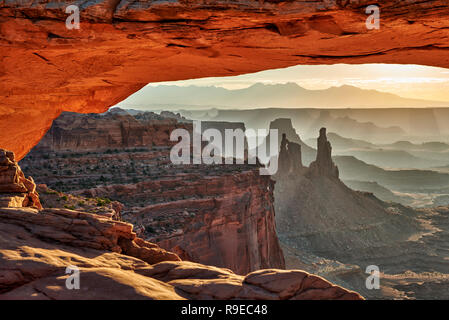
x=103 y=195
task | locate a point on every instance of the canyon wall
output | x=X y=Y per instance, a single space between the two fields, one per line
x=113 y=130
x=225 y=220
x=39 y=245
x=123 y=45
x=221 y=215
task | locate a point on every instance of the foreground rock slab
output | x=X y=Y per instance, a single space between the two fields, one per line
x=37 y=247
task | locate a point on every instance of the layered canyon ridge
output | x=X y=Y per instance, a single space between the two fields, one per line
x=37 y=245
x=326 y=227
x=212 y=214
x=230 y=216
x=124 y=45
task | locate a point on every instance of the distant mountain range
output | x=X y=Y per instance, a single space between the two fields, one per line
x=289 y=95
x=402 y=154
x=414 y=181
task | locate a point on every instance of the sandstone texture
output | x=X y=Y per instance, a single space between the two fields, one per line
x=290 y=158
x=15 y=189
x=116 y=129
x=37 y=247
x=123 y=45
x=219 y=215
x=226 y=221
x=85 y=230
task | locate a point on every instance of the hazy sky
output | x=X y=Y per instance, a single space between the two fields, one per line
x=410 y=81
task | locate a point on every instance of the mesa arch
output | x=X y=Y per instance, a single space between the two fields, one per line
x=123 y=45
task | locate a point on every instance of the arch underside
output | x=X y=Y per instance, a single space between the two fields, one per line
x=124 y=45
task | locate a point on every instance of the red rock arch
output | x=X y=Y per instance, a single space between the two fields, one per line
x=123 y=45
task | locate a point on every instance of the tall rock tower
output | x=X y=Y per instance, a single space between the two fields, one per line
x=290 y=157
x=323 y=165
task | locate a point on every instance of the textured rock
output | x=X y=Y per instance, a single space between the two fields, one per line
x=303 y=153
x=15 y=189
x=124 y=45
x=112 y=130
x=232 y=226
x=36 y=248
x=225 y=220
x=290 y=157
x=220 y=215
x=85 y=230
x=323 y=165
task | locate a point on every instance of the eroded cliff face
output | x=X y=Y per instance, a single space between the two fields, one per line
x=220 y=215
x=229 y=222
x=36 y=247
x=114 y=130
x=221 y=219
x=123 y=45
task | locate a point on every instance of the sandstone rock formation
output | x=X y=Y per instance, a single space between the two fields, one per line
x=321 y=222
x=37 y=247
x=220 y=215
x=124 y=45
x=109 y=131
x=226 y=221
x=284 y=126
x=209 y=216
x=313 y=207
x=50 y=198
x=15 y=189
x=323 y=165
x=85 y=230
x=290 y=157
